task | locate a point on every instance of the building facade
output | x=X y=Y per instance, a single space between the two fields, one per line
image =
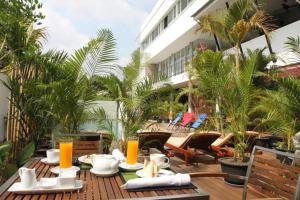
x=169 y=35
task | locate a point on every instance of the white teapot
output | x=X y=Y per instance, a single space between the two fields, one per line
x=105 y=164
x=28 y=177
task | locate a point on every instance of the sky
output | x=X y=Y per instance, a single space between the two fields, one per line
x=71 y=23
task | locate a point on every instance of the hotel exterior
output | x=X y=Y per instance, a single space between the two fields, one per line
x=169 y=36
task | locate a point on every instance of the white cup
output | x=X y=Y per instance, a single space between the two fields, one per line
x=52 y=155
x=67 y=178
x=160 y=159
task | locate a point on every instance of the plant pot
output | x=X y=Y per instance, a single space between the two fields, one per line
x=238 y=168
x=284 y=159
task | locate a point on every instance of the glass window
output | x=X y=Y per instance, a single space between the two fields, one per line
x=183 y=4
x=166 y=22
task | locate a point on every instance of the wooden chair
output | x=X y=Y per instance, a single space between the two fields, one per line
x=270 y=178
x=197 y=141
x=89 y=143
x=155 y=139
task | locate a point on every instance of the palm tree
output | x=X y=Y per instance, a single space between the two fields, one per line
x=236 y=23
x=234 y=88
x=280 y=110
x=137 y=98
x=71 y=92
x=293 y=45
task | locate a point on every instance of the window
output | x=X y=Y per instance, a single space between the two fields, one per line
x=166 y=22
x=183 y=4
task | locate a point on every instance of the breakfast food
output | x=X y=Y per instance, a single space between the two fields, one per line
x=150 y=169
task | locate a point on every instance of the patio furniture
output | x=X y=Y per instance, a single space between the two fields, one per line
x=98 y=188
x=270 y=178
x=187 y=119
x=197 y=141
x=223 y=146
x=88 y=143
x=156 y=140
x=199 y=121
x=176 y=120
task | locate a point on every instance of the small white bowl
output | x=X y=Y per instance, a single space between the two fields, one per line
x=48 y=182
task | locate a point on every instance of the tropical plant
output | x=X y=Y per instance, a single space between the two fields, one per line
x=72 y=92
x=233 y=88
x=137 y=98
x=281 y=110
x=293 y=45
x=236 y=23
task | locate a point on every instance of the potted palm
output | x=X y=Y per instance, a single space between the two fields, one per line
x=232 y=81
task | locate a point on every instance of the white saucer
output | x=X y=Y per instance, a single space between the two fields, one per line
x=162 y=172
x=124 y=166
x=57 y=169
x=45 y=161
x=93 y=171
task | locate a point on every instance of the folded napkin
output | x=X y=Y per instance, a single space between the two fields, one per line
x=118 y=155
x=175 y=180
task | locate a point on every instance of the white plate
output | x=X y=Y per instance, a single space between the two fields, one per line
x=124 y=166
x=93 y=171
x=45 y=161
x=57 y=169
x=162 y=172
x=87 y=159
x=19 y=189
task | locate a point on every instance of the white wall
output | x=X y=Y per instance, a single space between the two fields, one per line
x=278 y=38
x=182 y=24
x=4 y=94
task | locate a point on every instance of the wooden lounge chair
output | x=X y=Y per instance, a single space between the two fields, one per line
x=156 y=140
x=197 y=141
x=223 y=146
x=270 y=178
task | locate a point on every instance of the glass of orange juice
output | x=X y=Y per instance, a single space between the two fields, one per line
x=132 y=150
x=65 y=153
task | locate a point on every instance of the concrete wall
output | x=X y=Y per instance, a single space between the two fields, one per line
x=4 y=94
x=176 y=29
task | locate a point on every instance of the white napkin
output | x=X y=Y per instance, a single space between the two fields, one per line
x=118 y=155
x=175 y=180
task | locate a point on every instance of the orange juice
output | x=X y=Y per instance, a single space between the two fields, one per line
x=132 y=151
x=65 y=154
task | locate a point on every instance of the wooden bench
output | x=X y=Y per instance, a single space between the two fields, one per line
x=271 y=178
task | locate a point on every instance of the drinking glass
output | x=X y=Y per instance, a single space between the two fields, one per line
x=132 y=150
x=65 y=153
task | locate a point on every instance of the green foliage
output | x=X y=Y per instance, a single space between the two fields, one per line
x=293 y=45
x=4 y=153
x=25 y=154
x=280 y=109
x=233 y=89
x=72 y=91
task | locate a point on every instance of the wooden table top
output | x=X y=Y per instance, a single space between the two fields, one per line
x=96 y=188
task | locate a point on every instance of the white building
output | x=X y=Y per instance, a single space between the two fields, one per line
x=168 y=36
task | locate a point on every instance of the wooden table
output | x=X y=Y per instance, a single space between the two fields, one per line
x=96 y=188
